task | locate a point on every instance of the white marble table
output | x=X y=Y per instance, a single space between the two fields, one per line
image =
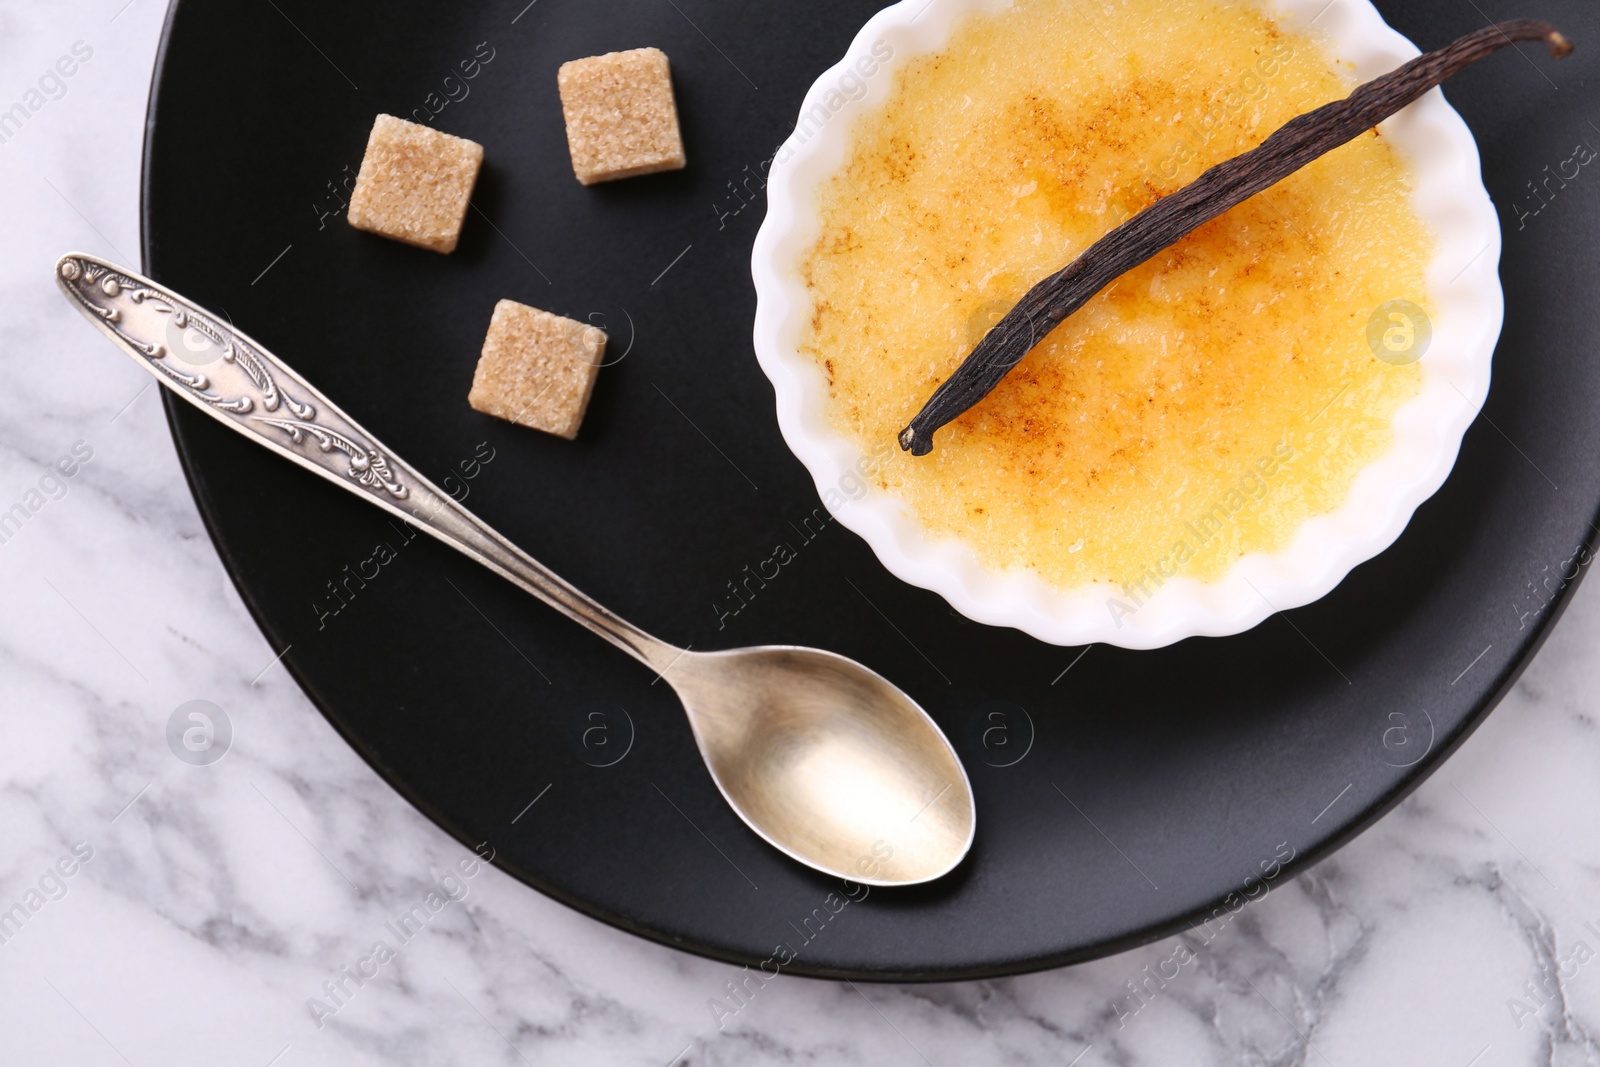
x=208 y=906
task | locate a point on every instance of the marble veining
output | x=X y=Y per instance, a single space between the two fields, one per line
x=231 y=912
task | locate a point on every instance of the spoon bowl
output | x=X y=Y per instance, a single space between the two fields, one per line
x=829 y=762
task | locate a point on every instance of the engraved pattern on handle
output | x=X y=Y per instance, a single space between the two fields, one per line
x=146 y=319
x=240 y=383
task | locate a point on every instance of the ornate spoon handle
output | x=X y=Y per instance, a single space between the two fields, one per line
x=238 y=382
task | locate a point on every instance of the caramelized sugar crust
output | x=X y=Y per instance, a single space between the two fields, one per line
x=1204 y=405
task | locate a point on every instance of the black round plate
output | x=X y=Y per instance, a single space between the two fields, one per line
x=1120 y=794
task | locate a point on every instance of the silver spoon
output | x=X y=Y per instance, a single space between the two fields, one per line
x=823 y=758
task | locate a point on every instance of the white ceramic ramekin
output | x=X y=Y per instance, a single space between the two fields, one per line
x=1466 y=305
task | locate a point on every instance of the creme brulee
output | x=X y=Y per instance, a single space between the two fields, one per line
x=1208 y=402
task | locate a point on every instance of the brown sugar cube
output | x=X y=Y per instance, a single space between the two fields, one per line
x=537 y=369
x=414 y=184
x=622 y=120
